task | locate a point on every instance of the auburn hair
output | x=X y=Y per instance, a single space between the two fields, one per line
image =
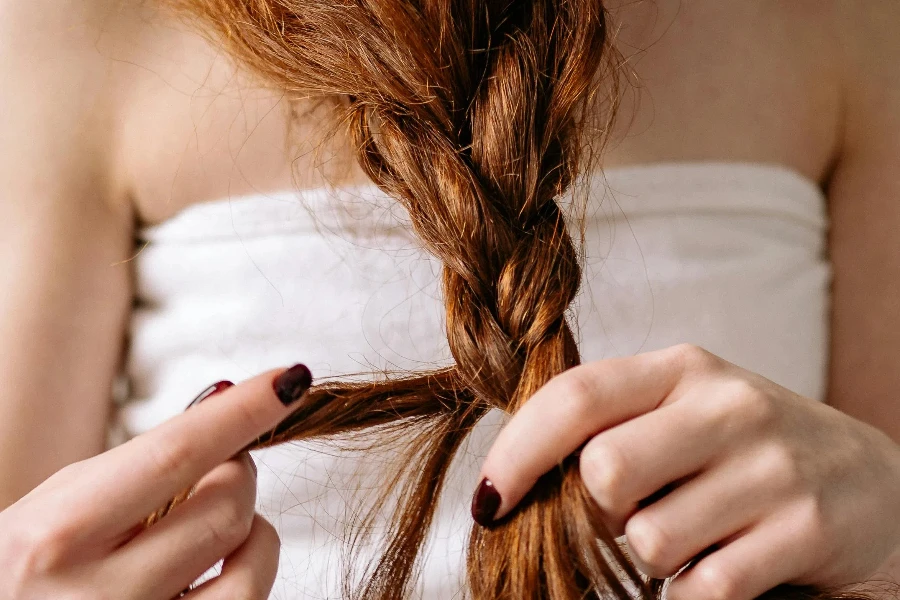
x=472 y=114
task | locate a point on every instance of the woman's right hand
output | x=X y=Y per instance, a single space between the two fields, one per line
x=80 y=535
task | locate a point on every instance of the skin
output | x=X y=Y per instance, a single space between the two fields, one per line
x=114 y=115
x=793 y=480
x=51 y=551
x=791 y=490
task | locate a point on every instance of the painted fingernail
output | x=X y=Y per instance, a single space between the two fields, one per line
x=213 y=389
x=292 y=384
x=485 y=503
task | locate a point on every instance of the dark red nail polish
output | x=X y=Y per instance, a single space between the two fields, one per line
x=292 y=384
x=485 y=503
x=213 y=389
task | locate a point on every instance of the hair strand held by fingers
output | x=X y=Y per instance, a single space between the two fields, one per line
x=473 y=115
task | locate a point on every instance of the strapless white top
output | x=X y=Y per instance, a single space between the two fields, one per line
x=729 y=256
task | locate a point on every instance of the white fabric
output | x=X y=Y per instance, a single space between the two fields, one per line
x=730 y=256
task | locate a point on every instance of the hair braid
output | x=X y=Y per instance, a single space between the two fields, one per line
x=471 y=114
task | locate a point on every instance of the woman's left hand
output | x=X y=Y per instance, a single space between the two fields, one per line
x=781 y=488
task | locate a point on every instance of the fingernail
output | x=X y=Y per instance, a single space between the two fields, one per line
x=292 y=384
x=485 y=503
x=213 y=389
x=253 y=464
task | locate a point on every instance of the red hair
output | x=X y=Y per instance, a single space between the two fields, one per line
x=472 y=114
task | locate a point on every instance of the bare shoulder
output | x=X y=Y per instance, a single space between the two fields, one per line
x=868 y=32
x=864 y=201
x=65 y=236
x=47 y=24
x=55 y=107
x=56 y=48
x=197 y=125
x=868 y=25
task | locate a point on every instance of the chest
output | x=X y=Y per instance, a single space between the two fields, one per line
x=724 y=80
x=701 y=80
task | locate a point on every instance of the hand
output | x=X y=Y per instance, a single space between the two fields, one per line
x=686 y=452
x=80 y=534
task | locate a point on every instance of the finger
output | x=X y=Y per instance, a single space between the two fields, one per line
x=65 y=483
x=142 y=474
x=219 y=386
x=211 y=390
x=634 y=461
x=747 y=566
x=711 y=507
x=164 y=559
x=72 y=482
x=249 y=572
x=563 y=414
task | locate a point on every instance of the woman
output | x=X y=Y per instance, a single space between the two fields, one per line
x=791 y=96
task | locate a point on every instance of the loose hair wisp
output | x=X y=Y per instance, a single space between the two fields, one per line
x=472 y=114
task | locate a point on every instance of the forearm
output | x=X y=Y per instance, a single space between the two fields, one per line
x=64 y=303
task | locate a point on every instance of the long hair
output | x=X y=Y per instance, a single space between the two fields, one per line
x=472 y=114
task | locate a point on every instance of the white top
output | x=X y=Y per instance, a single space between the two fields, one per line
x=729 y=256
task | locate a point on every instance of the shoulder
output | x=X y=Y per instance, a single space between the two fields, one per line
x=38 y=23
x=868 y=33
x=195 y=124
x=52 y=49
x=56 y=114
x=864 y=202
x=864 y=27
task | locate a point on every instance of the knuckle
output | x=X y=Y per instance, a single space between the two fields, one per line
x=576 y=391
x=782 y=467
x=229 y=525
x=245 y=589
x=743 y=404
x=40 y=548
x=649 y=542
x=813 y=522
x=169 y=459
x=757 y=406
x=716 y=583
x=236 y=474
x=603 y=469
x=243 y=484
x=69 y=472
x=268 y=531
x=694 y=358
